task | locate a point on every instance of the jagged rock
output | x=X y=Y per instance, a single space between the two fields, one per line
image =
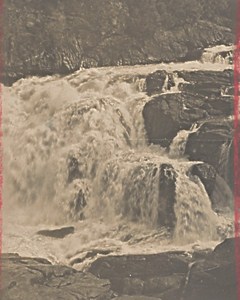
x=207 y=175
x=221 y=79
x=33 y=278
x=209 y=275
x=214 y=86
x=206 y=275
x=167 y=114
x=218 y=190
x=201 y=98
x=155 y=82
x=212 y=143
x=214 y=278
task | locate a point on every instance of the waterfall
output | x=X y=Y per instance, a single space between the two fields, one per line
x=218 y=54
x=75 y=151
x=178 y=145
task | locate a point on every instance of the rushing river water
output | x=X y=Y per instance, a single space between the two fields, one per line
x=75 y=153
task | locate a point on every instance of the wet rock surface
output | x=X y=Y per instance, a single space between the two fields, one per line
x=215 y=278
x=57 y=233
x=217 y=188
x=213 y=137
x=149 y=275
x=110 y=32
x=175 y=275
x=204 y=101
x=167 y=114
x=33 y=278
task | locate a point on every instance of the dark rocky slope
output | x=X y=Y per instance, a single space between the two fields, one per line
x=48 y=37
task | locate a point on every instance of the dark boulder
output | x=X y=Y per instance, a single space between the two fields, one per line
x=216 y=78
x=149 y=275
x=173 y=275
x=204 y=95
x=155 y=82
x=212 y=143
x=57 y=233
x=215 y=277
x=217 y=188
x=167 y=114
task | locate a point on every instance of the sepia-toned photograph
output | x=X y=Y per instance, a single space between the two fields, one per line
x=120 y=150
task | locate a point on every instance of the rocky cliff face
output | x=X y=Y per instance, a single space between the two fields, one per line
x=45 y=37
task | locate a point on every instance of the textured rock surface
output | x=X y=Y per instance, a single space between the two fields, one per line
x=172 y=275
x=149 y=275
x=212 y=143
x=109 y=32
x=205 y=100
x=167 y=114
x=166 y=276
x=28 y=278
x=214 y=278
x=217 y=188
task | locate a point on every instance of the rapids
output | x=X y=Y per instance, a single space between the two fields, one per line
x=75 y=153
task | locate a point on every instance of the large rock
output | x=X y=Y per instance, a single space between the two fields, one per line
x=217 y=188
x=149 y=275
x=165 y=115
x=213 y=143
x=34 y=278
x=59 y=38
x=214 y=278
x=155 y=82
x=209 y=275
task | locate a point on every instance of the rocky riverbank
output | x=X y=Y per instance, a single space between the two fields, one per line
x=41 y=38
x=164 y=276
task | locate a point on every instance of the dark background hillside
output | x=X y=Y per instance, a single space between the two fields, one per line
x=58 y=36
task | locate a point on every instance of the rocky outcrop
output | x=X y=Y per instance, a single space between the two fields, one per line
x=213 y=144
x=165 y=115
x=214 y=278
x=217 y=188
x=205 y=101
x=26 y=278
x=60 y=37
x=165 y=276
x=148 y=275
x=172 y=275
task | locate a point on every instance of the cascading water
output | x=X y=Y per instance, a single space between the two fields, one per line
x=178 y=145
x=75 y=152
x=218 y=54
